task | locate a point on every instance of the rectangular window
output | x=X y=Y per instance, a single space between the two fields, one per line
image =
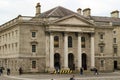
x=114 y=40
x=33 y=48
x=102 y=63
x=115 y=50
x=33 y=64
x=101 y=36
x=101 y=49
x=33 y=34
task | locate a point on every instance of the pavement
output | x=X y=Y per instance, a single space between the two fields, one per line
x=42 y=76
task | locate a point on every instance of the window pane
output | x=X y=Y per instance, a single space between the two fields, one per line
x=102 y=63
x=33 y=34
x=83 y=42
x=114 y=40
x=101 y=36
x=101 y=49
x=33 y=48
x=56 y=41
x=33 y=64
x=69 y=41
x=115 y=50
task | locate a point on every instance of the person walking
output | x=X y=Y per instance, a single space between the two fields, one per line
x=81 y=71
x=8 y=71
x=96 y=71
x=20 y=71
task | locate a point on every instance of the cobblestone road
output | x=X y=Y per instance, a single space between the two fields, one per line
x=101 y=76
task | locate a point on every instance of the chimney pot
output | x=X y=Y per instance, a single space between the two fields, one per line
x=87 y=12
x=38 y=9
x=115 y=14
x=79 y=11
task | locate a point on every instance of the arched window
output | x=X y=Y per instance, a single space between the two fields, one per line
x=83 y=42
x=69 y=41
x=56 y=41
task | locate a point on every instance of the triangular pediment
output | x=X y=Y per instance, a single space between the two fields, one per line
x=73 y=20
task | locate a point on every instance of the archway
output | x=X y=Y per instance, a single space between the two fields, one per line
x=84 y=61
x=71 y=64
x=57 y=61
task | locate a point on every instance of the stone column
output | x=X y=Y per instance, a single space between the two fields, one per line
x=92 y=51
x=51 y=51
x=79 y=52
x=65 y=51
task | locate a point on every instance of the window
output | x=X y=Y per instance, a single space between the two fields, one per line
x=33 y=34
x=101 y=49
x=56 y=41
x=69 y=41
x=33 y=64
x=33 y=48
x=102 y=63
x=101 y=36
x=114 y=40
x=114 y=32
x=83 y=42
x=115 y=50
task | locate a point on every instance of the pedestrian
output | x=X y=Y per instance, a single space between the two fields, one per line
x=96 y=71
x=8 y=71
x=72 y=78
x=20 y=71
x=81 y=71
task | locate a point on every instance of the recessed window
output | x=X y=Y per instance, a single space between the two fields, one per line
x=102 y=63
x=56 y=41
x=115 y=50
x=33 y=64
x=83 y=42
x=114 y=40
x=114 y=32
x=69 y=41
x=101 y=49
x=33 y=48
x=33 y=34
x=101 y=36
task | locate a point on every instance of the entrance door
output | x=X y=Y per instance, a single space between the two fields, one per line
x=115 y=65
x=57 y=61
x=84 y=61
x=71 y=64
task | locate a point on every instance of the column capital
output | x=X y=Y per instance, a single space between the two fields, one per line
x=79 y=34
x=65 y=33
x=51 y=33
x=92 y=34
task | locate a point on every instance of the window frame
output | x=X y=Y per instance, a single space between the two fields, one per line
x=70 y=42
x=34 y=48
x=34 y=64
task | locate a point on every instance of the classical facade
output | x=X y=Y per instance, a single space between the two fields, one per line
x=61 y=39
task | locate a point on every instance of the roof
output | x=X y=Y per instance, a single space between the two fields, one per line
x=105 y=19
x=57 y=12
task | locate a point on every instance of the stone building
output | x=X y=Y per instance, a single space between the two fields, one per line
x=61 y=39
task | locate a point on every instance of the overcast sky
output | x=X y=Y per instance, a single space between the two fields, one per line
x=10 y=9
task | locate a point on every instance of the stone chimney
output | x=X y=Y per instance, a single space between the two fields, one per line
x=79 y=11
x=87 y=12
x=38 y=9
x=115 y=14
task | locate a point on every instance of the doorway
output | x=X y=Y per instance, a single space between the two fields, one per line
x=57 y=61
x=115 y=65
x=84 y=61
x=71 y=64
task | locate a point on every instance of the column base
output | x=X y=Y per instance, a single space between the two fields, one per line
x=78 y=69
x=51 y=70
x=66 y=68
